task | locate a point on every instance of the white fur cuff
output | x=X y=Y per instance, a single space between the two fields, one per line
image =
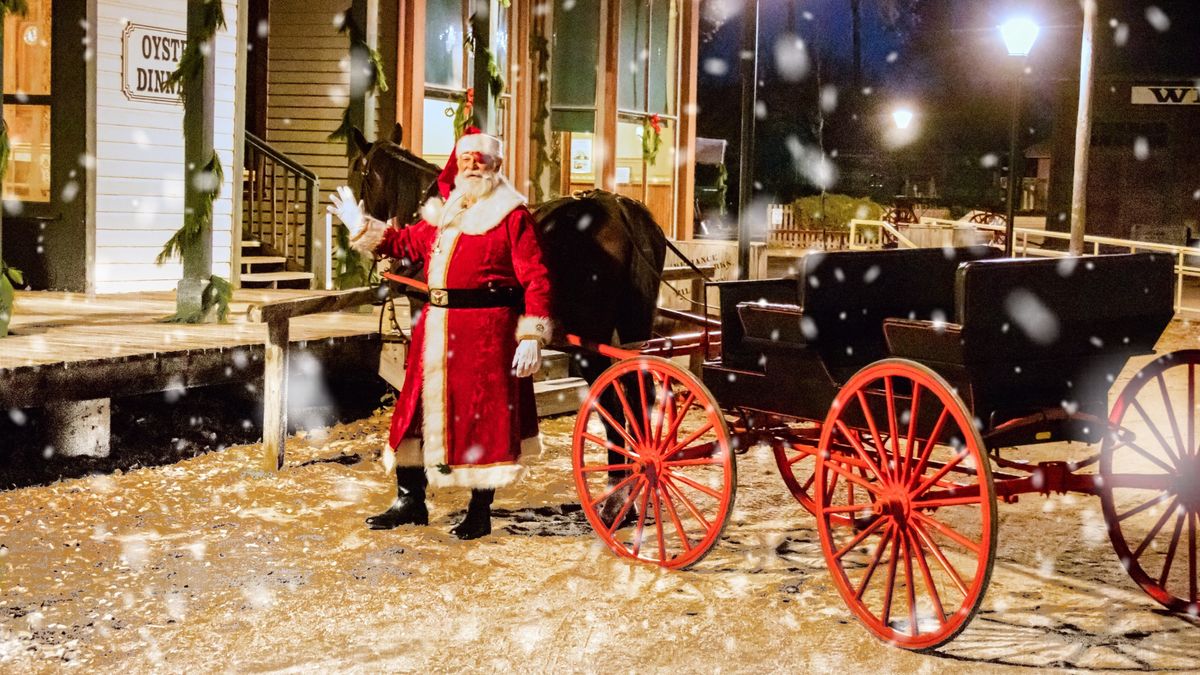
x=534 y=328
x=370 y=237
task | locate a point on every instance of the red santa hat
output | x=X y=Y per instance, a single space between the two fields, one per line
x=472 y=140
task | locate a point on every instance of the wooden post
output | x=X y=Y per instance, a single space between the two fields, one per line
x=1083 y=131
x=275 y=387
x=481 y=31
x=198 y=151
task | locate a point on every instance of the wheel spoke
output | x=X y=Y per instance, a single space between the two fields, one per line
x=908 y=583
x=929 y=584
x=879 y=446
x=665 y=496
x=687 y=503
x=1157 y=434
x=1166 y=570
x=866 y=578
x=691 y=437
x=1192 y=557
x=943 y=471
x=1145 y=453
x=662 y=545
x=930 y=444
x=890 y=586
x=641 y=524
x=661 y=407
x=679 y=414
x=1166 y=398
x=1191 y=417
x=613 y=489
x=612 y=422
x=645 y=407
x=866 y=532
x=892 y=435
x=619 y=387
x=692 y=484
x=939 y=556
x=854 y=442
x=948 y=531
x=802 y=454
x=946 y=501
x=1132 y=512
x=847 y=508
x=625 y=508
x=912 y=430
x=1157 y=526
x=698 y=461
x=848 y=474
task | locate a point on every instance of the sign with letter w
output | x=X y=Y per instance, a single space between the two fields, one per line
x=1165 y=96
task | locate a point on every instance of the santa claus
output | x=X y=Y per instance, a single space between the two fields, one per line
x=465 y=415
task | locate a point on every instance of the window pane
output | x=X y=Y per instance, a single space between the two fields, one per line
x=629 y=158
x=574 y=52
x=437 y=139
x=500 y=37
x=28 y=177
x=631 y=66
x=664 y=48
x=27 y=50
x=444 y=43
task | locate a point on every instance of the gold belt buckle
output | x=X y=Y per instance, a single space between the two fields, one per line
x=438 y=297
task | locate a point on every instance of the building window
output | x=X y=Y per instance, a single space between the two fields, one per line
x=449 y=66
x=647 y=78
x=27 y=102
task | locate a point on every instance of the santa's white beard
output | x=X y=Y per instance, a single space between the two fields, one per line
x=473 y=188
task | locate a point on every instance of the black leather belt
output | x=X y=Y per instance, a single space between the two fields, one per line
x=474 y=298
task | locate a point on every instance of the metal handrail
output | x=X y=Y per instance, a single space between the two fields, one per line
x=280 y=207
x=277 y=155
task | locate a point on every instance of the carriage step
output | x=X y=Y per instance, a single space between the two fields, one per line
x=563 y=395
x=554 y=366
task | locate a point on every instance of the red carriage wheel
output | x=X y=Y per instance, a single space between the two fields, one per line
x=653 y=464
x=1150 y=480
x=797 y=462
x=906 y=509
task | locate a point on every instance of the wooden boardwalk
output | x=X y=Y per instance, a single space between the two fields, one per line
x=68 y=346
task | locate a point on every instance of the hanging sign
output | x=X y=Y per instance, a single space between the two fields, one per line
x=148 y=57
x=1165 y=96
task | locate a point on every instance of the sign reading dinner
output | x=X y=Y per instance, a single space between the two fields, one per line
x=148 y=57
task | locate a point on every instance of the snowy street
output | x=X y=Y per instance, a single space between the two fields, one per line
x=203 y=565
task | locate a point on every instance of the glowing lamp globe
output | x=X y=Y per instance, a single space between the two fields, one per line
x=902 y=117
x=1019 y=35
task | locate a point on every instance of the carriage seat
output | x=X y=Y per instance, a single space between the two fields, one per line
x=1035 y=332
x=836 y=306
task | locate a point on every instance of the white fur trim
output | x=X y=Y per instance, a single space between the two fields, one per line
x=434 y=354
x=388 y=458
x=484 y=215
x=486 y=477
x=369 y=237
x=534 y=326
x=488 y=145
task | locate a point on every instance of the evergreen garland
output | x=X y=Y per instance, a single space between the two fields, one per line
x=10 y=277
x=378 y=83
x=219 y=292
x=539 y=48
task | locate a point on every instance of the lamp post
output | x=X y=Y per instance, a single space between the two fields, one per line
x=1019 y=35
x=749 y=73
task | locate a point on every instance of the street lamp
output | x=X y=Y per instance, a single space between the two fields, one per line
x=902 y=117
x=1019 y=35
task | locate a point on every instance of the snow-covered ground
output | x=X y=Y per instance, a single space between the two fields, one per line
x=206 y=565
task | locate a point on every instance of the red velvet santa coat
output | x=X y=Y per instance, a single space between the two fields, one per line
x=461 y=413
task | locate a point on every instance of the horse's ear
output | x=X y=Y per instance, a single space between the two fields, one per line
x=360 y=141
x=398 y=134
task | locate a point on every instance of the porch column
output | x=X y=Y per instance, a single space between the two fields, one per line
x=198 y=151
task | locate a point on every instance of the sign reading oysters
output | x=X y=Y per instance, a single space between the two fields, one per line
x=148 y=57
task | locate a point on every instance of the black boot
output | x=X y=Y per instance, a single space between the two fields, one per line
x=478 y=520
x=409 y=507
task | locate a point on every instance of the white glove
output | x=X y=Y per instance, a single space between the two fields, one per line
x=349 y=211
x=528 y=359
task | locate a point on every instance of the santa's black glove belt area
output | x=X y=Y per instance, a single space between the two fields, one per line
x=476 y=298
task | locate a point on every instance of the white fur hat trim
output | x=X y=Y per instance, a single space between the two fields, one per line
x=488 y=145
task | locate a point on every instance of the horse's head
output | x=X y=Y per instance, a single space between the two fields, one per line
x=390 y=180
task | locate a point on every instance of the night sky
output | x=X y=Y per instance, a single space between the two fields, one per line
x=945 y=58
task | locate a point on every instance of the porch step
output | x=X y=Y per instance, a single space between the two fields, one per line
x=263 y=260
x=250 y=243
x=277 y=280
x=554 y=366
x=558 y=396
